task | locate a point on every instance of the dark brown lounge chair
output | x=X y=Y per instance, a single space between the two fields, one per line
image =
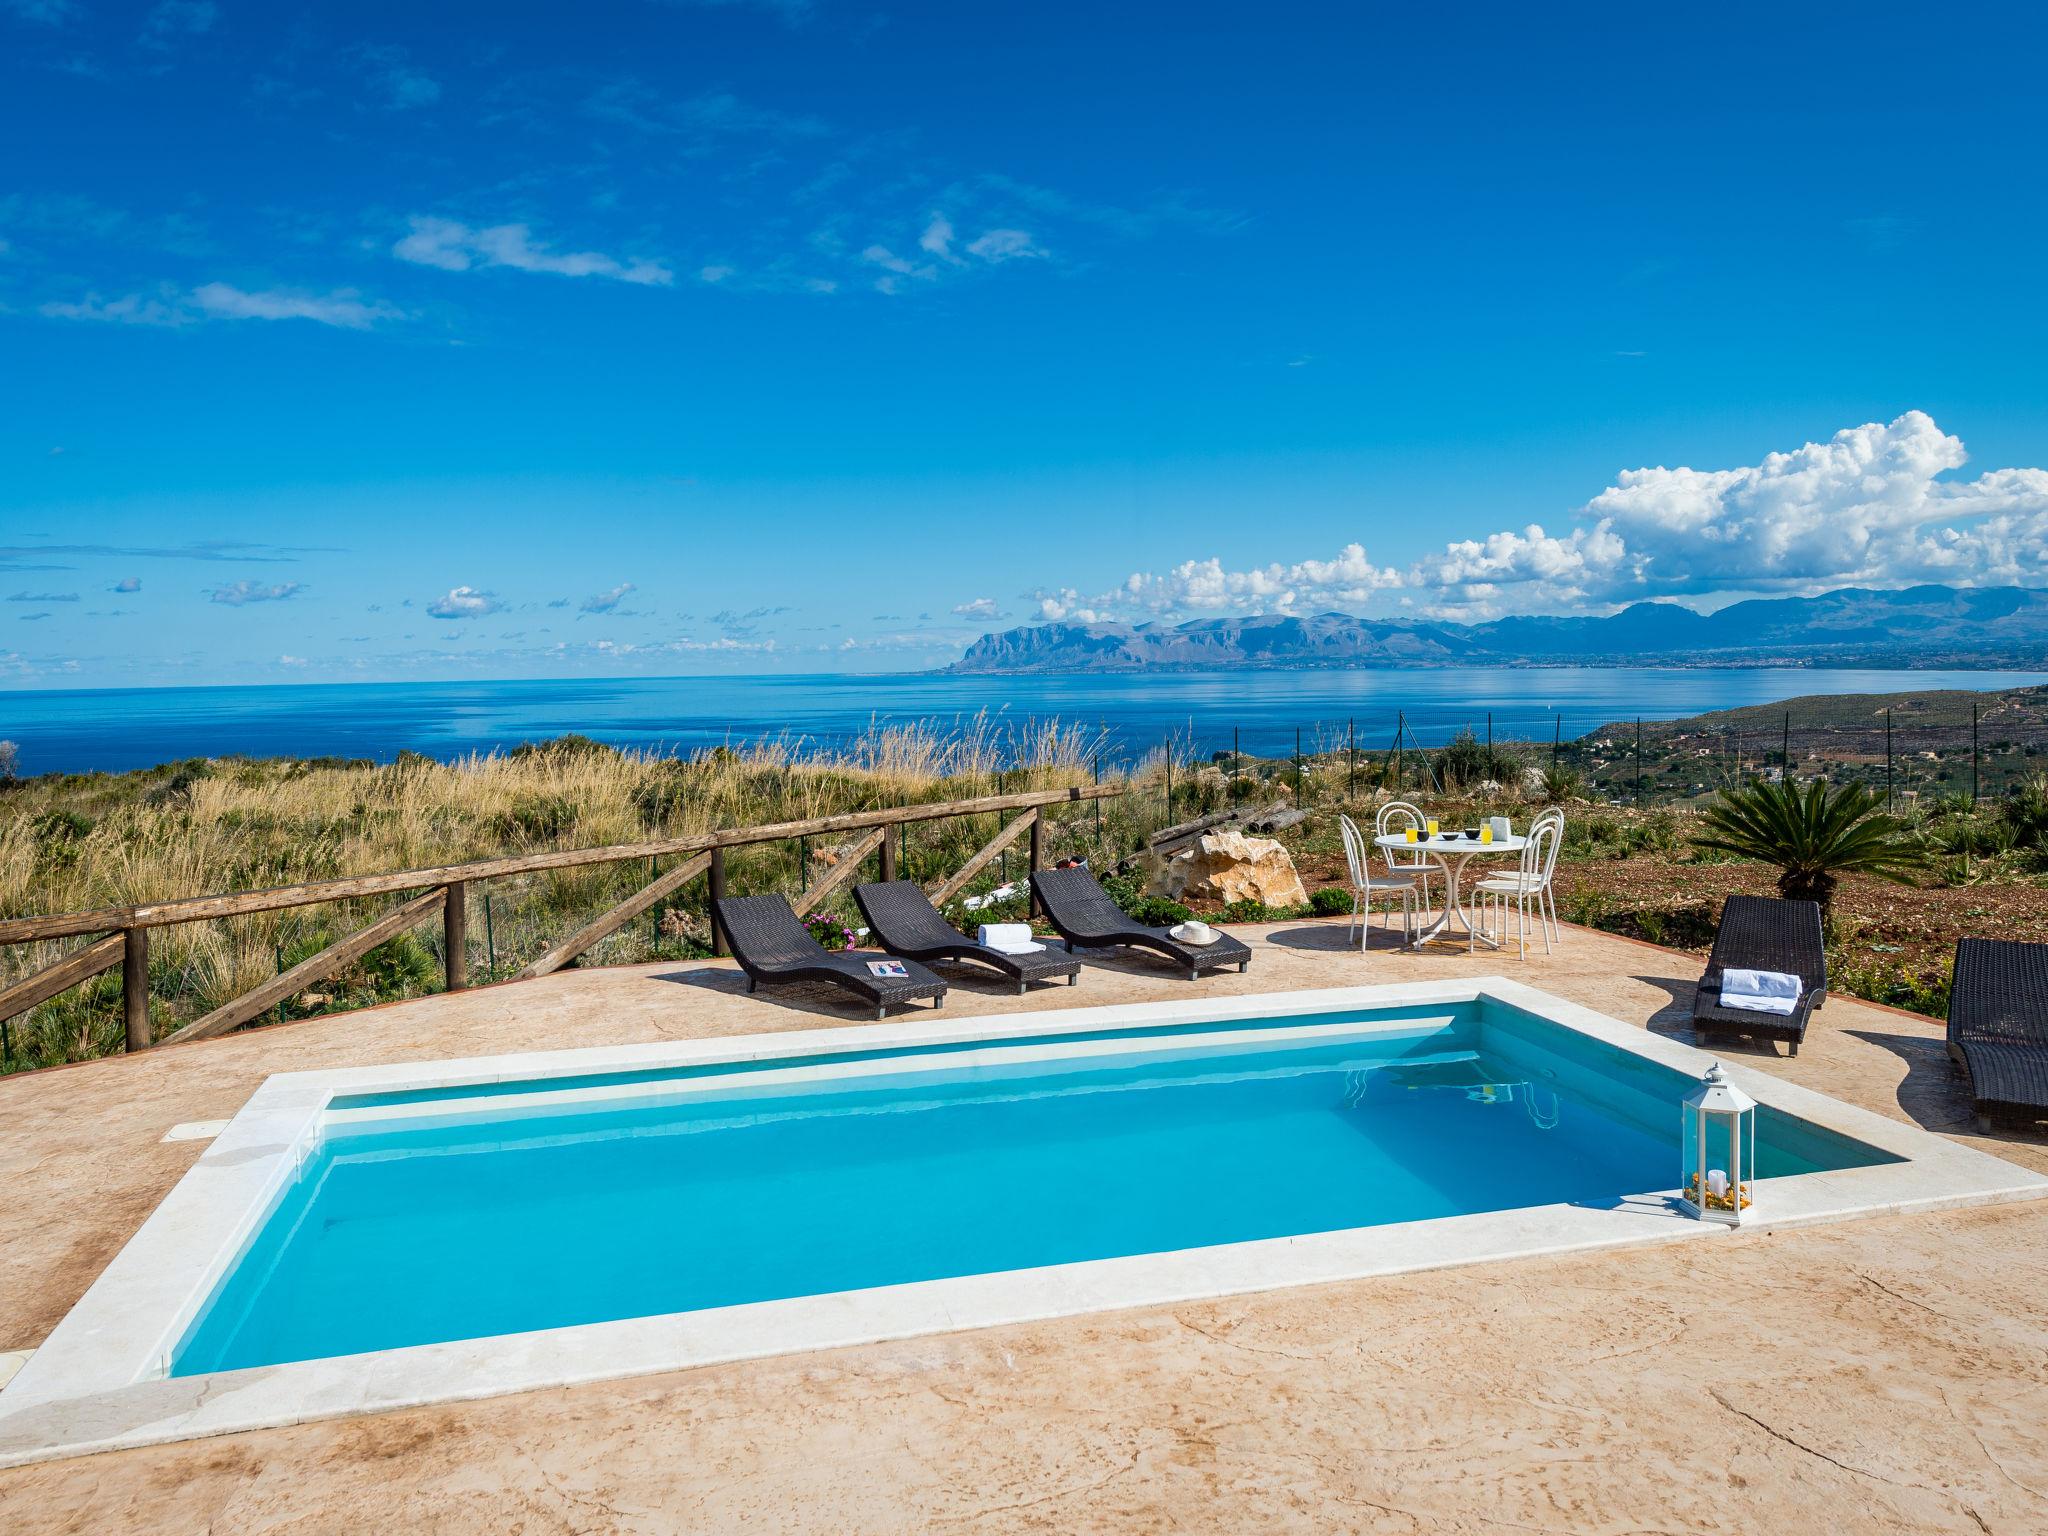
x=771 y=945
x=904 y=922
x=1998 y=1027
x=1763 y=933
x=1084 y=916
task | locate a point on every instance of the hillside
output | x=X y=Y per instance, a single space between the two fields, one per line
x=1915 y=626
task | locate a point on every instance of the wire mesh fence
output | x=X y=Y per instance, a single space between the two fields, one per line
x=1944 y=746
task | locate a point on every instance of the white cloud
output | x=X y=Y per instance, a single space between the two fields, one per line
x=979 y=608
x=605 y=602
x=937 y=241
x=889 y=261
x=343 y=307
x=130 y=309
x=456 y=247
x=1868 y=507
x=1000 y=245
x=239 y=594
x=402 y=83
x=128 y=584
x=938 y=238
x=462 y=603
x=289 y=660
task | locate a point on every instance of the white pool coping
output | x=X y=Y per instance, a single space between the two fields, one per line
x=99 y=1381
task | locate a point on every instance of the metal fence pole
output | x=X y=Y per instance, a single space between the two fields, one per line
x=1973 y=755
x=1098 y=803
x=1556 y=740
x=490 y=937
x=1887 y=760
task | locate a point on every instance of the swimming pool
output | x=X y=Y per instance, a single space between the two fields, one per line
x=376 y=1237
x=424 y=1220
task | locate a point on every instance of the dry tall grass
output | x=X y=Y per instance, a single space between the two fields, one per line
x=79 y=842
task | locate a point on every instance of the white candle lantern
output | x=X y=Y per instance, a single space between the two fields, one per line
x=1718 y=1123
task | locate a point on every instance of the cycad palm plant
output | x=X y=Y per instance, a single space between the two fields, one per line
x=1813 y=837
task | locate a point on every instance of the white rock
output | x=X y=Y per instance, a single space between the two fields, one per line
x=1229 y=866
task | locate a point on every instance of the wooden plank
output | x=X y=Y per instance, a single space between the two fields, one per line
x=840 y=873
x=318 y=968
x=718 y=941
x=975 y=865
x=455 y=935
x=61 y=977
x=191 y=909
x=1167 y=835
x=615 y=919
x=135 y=988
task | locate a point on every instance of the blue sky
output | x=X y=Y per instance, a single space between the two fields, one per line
x=389 y=341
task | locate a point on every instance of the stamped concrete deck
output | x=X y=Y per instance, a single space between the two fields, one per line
x=1888 y=1374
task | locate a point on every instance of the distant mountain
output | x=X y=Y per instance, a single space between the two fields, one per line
x=1916 y=626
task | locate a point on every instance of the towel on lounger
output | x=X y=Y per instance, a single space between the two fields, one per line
x=1760 y=991
x=1007 y=938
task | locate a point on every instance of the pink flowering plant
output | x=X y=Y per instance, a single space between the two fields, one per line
x=829 y=931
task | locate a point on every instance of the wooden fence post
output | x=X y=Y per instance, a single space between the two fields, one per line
x=718 y=944
x=135 y=987
x=888 y=851
x=455 y=934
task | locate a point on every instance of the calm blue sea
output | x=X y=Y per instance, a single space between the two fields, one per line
x=113 y=729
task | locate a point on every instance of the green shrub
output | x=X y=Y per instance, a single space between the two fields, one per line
x=1126 y=890
x=1331 y=901
x=571 y=745
x=62 y=826
x=537 y=818
x=1249 y=910
x=1158 y=912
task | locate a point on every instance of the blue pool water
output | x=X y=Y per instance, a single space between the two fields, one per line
x=526 y=1219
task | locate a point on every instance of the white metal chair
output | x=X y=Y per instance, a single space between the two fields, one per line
x=1365 y=885
x=1529 y=883
x=1554 y=815
x=1392 y=819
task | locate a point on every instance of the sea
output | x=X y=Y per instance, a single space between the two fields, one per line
x=1126 y=715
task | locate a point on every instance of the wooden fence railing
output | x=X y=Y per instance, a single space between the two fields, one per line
x=124 y=931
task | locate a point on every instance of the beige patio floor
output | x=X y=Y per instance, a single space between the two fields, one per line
x=1888 y=1374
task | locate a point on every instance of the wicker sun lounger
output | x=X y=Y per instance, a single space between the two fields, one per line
x=1084 y=916
x=1998 y=1026
x=904 y=922
x=1762 y=933
x=771 y=945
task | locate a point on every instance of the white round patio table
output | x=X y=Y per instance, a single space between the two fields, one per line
x=1451 y=855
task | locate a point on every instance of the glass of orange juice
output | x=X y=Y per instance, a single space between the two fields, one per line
x=1486 y=833
x=1411 y=835
x=1432 y=824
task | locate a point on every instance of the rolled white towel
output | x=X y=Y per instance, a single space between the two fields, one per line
x=1007 y=938
x=1760 y=991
